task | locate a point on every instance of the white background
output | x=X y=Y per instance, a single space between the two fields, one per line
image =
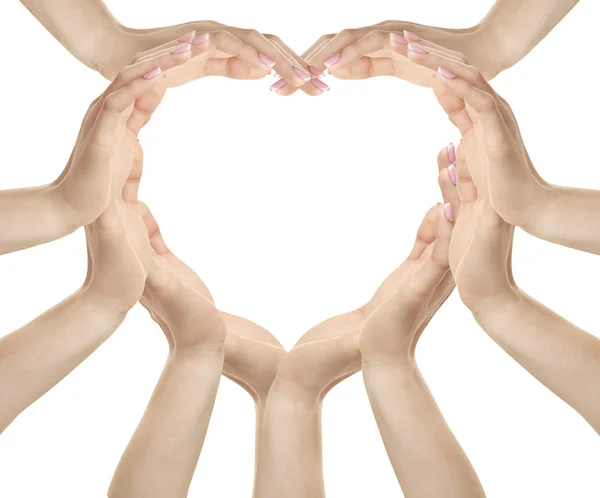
x=293 y=210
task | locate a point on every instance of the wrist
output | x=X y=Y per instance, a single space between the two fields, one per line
x=98 y=307
x=289 y=392
x=499 y=304
x=105 y=303
x=115 y=48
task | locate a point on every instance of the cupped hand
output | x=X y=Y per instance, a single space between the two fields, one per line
x=123 y=108
x=230 y=51
x=380 y=50
x=497 y=157
x=324 y=356
x=407 y=300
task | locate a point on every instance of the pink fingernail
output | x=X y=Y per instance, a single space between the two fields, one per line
x=398 y=39
x=445 y=73
x=452 y=173
x=451 y=153
x=302 y=73
x=278 y=85
x=417 y=48
x=320 y=85
x=448 y=212
x=334 y=59
x=152 y=74
x=188 y=36
x=316 y=71
x=411 y=36
x=201 y=39
x=182 y=49
x=266 y=60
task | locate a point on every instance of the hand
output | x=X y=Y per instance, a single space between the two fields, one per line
x=407 y=300
x=323 y=357
x=178 y=300
x=252 y=356
x=369 y=51
x=234 y=52
x=118 y=248
x=124 y=107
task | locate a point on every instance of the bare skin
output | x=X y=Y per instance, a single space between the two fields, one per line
x=381 y=336
x=508 y=33
x=563 y=357
x=91 y=33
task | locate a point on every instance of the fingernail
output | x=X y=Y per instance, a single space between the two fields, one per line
x=278 y=85
x=152 y=74
x=448 y=212
x=398 y=39
x=302 y=73
x=188 y=36
x=334 y=59
x=266 y=60
x=451 y=153
x=320 y=85
x=316 y=71
x=182 y=49
x=201 y=39
x=417 y=48
x=452 y=173
x=445 y=73
x=411 y=36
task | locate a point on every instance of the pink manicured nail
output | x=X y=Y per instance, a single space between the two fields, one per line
x=302 y=73
x=316 y=71
x=451 y=153
x=448 y=212
x=395 y=37
x=417 y=48
x=182 y=49
x=201 y=39
x=445 y=73
x=188 y=36
x=266 y=60
x=334 y=59
x=320 y=85
x=152 y=74
x=452 y=173
x=411 y=36
x=278 y=85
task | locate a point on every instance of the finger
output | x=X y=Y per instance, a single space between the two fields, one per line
x=497 y=136
x=312 y=51
x=435 y=267
x=373 y=42
x=165 y=47
x=132 y=185
x=425 y=233
x=453 y=106
x=330 y=53
x=466 y=186
x=448 y=177
x=282 y=63
x=149 y=68
x=313 y=87
x=156 y=239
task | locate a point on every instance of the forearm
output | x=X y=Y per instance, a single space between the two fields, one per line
x=560 y=355
x=290 y=463
x=426 y=457
x=163 y=453
x=83 y=27
x=36 y=357
x=32 y=216
x=568 y=216
x=517 y=26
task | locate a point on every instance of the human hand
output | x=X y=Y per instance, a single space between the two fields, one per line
x=407 y=300
x=178 y=300
x=232 y=52
x=380 y=50
x=323 y=357
x=122 y=109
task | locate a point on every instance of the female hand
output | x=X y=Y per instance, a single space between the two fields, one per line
x=407 y=300
x=233 y=52
x=323 y=357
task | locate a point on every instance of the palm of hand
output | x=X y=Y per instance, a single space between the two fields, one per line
x=325 y=355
